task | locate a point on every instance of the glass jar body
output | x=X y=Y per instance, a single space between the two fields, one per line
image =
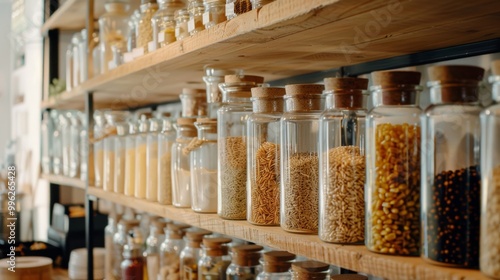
x=189 y=258
x=75 y=152
x=170 y=251
x=98 y=149
x=164 y=23
x=76 y=75
x=129 y=187
x=69 y=67
x=108 y=183
x=144 y=32
x=113 y=31
x=236 y=272
x=181 y=24
x=181 y=173
x=274 y=276
x=213 y=267
x=215 y=12
x=132 y=269
x=65 y=125
x=86 y=158
x=47 y=131
x=119 y=240
x=165 y=141
x=56 y=144
x=196 y=10
x=119 y=164
x=109 y=232
x=152 y=167
x=141 y=146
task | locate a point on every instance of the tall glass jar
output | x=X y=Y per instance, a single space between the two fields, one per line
x=75 y=152
x=152 y=253
x=132 y=25
x=120 y=146
x=130 y=140
x=196 y=10
x=65 y=125
x=299 y=154
x=113 y=120
x=164 y=22
x=490 y=180
x=204 y=168
x=47 y=131
x=215 y=12
x=119 y=241
x=232 y=160
x=310 y=270
x=166 y=138
x=450 y=169
x=82 y=56
x=276 y=266
x=181 y=173
x=86 y=158
x=212 y=80
x=69 y=67
x=237 y=7
x=75 y=43
x=113 y=31
x=141 y=146
x=144 y=30
x=191 y=254
x=215 y=259
x=170 y=251
x=392 y=198
x=194 y=102
x=99 y=134
x=259 y=3
x=181 y=24
x=263 y=166
x=56 y=143
x=245 y=262
x=342 y=161
x=152 y=160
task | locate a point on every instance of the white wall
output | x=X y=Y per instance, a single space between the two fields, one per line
x=5 y=76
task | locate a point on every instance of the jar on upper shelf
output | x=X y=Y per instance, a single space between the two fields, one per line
x=130 y=145
x=194 y=102
x=113 y=31
x=392 y=189
x=237 y=7
x=152 y=160
x=196 y=10
x=276 y=265
x=170 y=251
x=181 y=24
x=132 y=32
x=490 y=180
x=47 y=131
x=114 y=120
x=310 y=270
x=263 y=159
x=450 y=169
x=120 y=153
x=69 y=67
x=166 y=138
x=144 y=32
x=213 y=77
x=215 y=12
x=191 y=254
x=299 y=158
x=342 y=161
x=181 y=172
x=245 y=262
x=232 y=133
x=141 y=146
x=259 y=3
x=86 y=158
x=215 y=258
x=164 y=22
x=76 y=41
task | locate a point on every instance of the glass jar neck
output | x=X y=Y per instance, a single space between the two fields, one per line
x=467 y=92
x=495 y=80
x=207 y=131
x=346 y=99
x=309 y=103
x=397 y=95
x=186 y=131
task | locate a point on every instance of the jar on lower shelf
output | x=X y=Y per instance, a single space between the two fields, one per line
x=310 y=270
x=170 y=251
x=99 y=134
x=191 y=254
x=276 y=266
x=215 y=259
x=119 y=241
x=181 y=172
x=245 y=262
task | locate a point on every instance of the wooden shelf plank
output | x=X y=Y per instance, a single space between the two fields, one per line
x=64 y=181
x=354 y=257
x=292 y=37
x=71 y=15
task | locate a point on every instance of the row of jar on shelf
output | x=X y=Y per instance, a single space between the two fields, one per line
x=123 y=35
x=177 y=251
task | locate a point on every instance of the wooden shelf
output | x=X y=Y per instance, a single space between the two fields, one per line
x=64 y=181
x=356 y=258
x=71 y=15
x=291 y=37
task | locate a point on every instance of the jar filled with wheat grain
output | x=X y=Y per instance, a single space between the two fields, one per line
x=392 y=203
x=342 y=161
x=304 y=104
x=166 y=139
x=232 y=138
x=263 y=205
x=144 y=32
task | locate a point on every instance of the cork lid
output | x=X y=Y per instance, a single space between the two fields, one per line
x=391 y=78
x=304 y=89
x=310 y=266
x=495 y=67
x=345 y=83
x=129 y=223
x=278 y=256
x=348 y=277
x=229 y=79
x=197 y=235
x=206 y=121
x=455 y=73
x=246 y=255
x=215 y=242
x=247 y=248
x=193 y=91
x=177 y=226
x=160 y=223
x=271 y=92
x=186 y=121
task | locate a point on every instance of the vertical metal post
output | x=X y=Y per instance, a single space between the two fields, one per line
x=54 y=197
x=89 y=205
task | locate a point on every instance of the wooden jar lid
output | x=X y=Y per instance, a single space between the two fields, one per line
x=278 y=256
x=197 y=235
x=263 y=92
x=246 y=255
x=310 y=266
x=186 y=121
x=345 y=83
x=391 y=78
x=495 y=67
x=455 y=73
x=229 y=79
x=348 y=277
x=304 y=89
x=215 y=242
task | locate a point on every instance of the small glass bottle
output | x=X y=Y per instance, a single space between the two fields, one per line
x=164 y=22
x=75 y=153
x=392 y=189
x=129 y=188
x=237 y=7
x=181 y=174
x=132 y=25
x=166 y=138
x=310 y=270
x=47 y=130
x=69 y=67
x=299 y=154
x=194 y=102
x=232 y=133
x=65 y=125
x=113 y=31
x=109 y=233
x=113 y=120
x=204 y=167
x=191 y=254
x=263 y=207
x=119 y=241
x=451 y=181
x=245 y=262
x=276 y=266
x=75 y=43
x=141 y=146
x=342 y=161
x=152 y=160
x=153 y=242
x=56 y=143
x=99 y=134
x=215 y=259
x=259 y=3
x=215 y=12
x=144 y=30
x=212 y=80
x=490 y=180
x=120 y=145
x=132 y=266
x=181 y=24
x=170 y=251
x=196 y=10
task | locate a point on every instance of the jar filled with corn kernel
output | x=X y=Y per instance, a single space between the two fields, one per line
x=263 y=160
x=164 y=22
x=342 y=161
x=450 y=162
x=299 y=169
x=144 y=32
x=392 y=196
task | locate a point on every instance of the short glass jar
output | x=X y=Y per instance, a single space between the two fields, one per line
x=310 y=270
x=132 y=266
x=166 y=138
x=152 y=160
x=194 y=102
x=191 y=254
x=215 y=12
x=144 y=32
x=152 y=253
x=181 y=172
x=76 y=41
x=196 y=10
x=129 y=189
x=181 y=24
x=141 y=146
x=245 y=262
x=164 y=22
x=451 y=181
x=237 y=7
x=170 y=251
x=69 y=67
x=215 y=258
x=132 y=37
x=86 y=158
x=276 y=266
x=299 y=154
x=342 y=161
x=392 y=192
x=263 y=165
x=99 y=135
x=56 y=143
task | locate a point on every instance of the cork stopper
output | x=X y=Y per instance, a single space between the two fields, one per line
x=246 y=255
x=160 y=224
x=186 y=121
x=495 y=67
x=195 y=237
x=129 y=224
x=395 y=78
x=396 y=87
x=165 y=115
x=345 y=92
x=304 y=97
x=267 y=99
x=457 y=83
x=277 y=261
x=268 y=92
x=345 y=83
x=348 y=277
x=304 y=89
x=176 y=231
x=310 y=266
x=215 y=246
x=230 y=79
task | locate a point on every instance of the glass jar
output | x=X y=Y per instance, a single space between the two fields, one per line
x=451 y=156
x=82 y=56
x=237 y=7
x=119 y=241
x=164 y=22
x=194 y=102
x=99 y=134
x=276 y=265
x=215 y=259
x=113 y=120
x=47 y=131
x=215 y=12
x=132 y=25
x=196 y=10
x=76 y=40
x=181 y=24
x=263 y=207
x=113 y=29
x=130 y=158
x=96 y=57
x=152 y=160
x=392 y=192
x=245 y=262
x=153 y=242
x=56 y=143
x=144 y=32
x=232 y=159
x=259 y=3
x=203 y=167
x=69 y=67
x=299 y=154
x=141 y=146
x=490 y=179
x=109 y=232
x=132 y=266
x=181 y=173
x=170 y=251
x=65 y=125
x=75 y=152
x=342 y=161
x=310 y=270
x=191 y=254
x=166 y=138
x=212 y=80
x=86 y=158
x=120 y=150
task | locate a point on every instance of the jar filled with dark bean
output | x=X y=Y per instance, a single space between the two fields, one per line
x=450 y=154
x=392 y=193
